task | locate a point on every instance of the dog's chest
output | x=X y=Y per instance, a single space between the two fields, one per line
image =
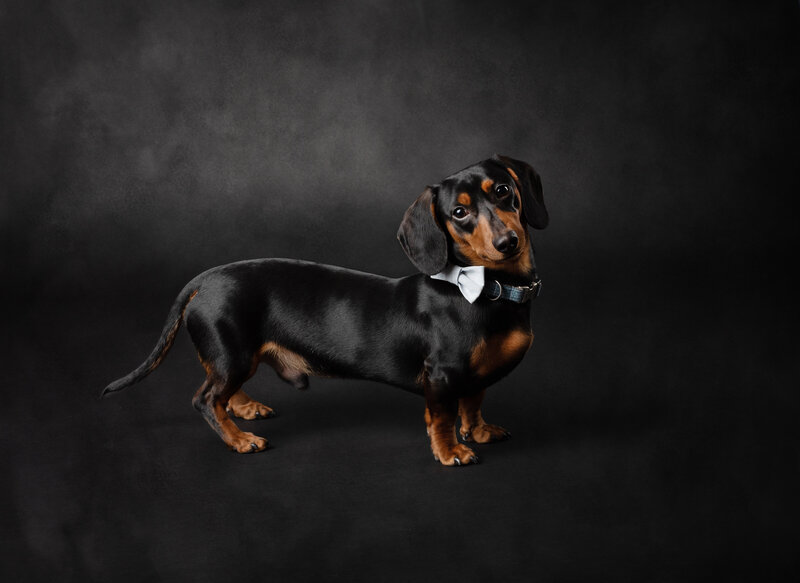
x=499 y=352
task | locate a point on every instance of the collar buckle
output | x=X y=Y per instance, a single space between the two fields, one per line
x=533 y=290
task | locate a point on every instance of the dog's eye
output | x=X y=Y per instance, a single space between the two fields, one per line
x=502 y=190
x=460 y=212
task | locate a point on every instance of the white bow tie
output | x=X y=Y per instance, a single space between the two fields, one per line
x=468 y=279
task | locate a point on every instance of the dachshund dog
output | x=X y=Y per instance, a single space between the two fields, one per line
x=446 y=334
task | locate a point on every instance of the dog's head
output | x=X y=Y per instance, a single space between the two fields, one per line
x=477 y=216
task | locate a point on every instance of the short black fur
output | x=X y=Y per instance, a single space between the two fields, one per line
x=415 y=332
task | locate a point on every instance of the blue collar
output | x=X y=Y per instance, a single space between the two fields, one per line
x=494 y=290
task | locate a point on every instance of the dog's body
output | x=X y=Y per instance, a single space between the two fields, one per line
x=415 y=332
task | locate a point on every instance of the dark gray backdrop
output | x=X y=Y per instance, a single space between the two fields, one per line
x=654 y=419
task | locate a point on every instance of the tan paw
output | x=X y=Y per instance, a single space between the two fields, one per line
x=248 y=443
x=250 y=410
x=457 y=455
x=484 y=433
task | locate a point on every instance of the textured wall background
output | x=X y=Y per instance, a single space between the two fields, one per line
x=143 y=139
x=655 y=419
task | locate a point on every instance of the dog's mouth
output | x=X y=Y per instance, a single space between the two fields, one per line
x=513 y=255
x=510 y=258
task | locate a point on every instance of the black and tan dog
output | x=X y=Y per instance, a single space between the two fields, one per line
x=416 y=332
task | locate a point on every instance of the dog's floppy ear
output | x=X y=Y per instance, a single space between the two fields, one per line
x=420 y=235
x=530 y=187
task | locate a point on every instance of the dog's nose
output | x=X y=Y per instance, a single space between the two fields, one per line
x=507 y=242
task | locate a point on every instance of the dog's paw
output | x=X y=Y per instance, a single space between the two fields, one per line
x=248 y=443
x=484 y=433
x=250 y=410
x=457 y=455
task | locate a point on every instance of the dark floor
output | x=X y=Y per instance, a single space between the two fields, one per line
x=653 y=440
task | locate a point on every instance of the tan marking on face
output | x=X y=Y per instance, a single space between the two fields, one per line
x=522 y=263
x=499 y=351
x=517 y=196
x=511 y=220
x=476 y=246
x=517 y=186
x=464 y=199
x=486 y=185
x=433 y=214
x=482 y=239
x=478 y=249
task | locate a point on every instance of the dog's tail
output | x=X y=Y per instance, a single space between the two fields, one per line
x=173 y=324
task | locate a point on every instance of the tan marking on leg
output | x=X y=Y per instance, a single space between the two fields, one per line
x=473 y=427
x=244 y=406
x=213 y=411
x=238 y=440
x=440 y=419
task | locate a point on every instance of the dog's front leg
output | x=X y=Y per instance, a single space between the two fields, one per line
x=440 y=417
x=473 y=427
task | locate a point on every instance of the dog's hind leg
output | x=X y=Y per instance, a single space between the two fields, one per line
x=211 y=400
x=244 y=406
x=289 y=366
